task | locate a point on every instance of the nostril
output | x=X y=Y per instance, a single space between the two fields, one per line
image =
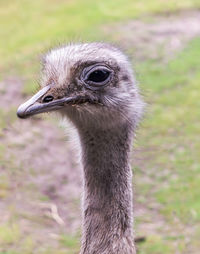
x=47 y=98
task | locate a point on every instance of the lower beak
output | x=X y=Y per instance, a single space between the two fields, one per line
x=33 y=107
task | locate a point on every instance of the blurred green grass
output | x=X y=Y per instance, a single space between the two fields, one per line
x=28 y=27
x=169 y=132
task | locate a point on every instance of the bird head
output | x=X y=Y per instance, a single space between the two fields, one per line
x=90 y=83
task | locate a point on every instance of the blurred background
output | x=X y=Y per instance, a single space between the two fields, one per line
x=39 y=175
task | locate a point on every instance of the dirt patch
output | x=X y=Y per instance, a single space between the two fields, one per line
x=158 y=37
x=44 y=177
x=10 y=91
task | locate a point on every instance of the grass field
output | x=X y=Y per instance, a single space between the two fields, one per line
x=166 y=161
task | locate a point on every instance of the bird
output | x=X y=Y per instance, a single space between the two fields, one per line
x=93 y=85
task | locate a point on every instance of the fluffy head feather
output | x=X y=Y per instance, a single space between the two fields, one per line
x=67 y=72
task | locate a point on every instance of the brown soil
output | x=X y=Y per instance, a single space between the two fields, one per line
x=45 y=169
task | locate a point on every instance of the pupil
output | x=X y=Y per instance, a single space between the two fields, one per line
x=98 y=76
x=48 y=98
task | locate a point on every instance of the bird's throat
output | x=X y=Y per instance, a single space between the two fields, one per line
x=107 y=216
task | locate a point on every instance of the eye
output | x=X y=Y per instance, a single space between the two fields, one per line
x=47 y=98
x=98 y=76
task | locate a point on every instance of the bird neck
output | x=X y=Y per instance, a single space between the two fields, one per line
x=107 y=215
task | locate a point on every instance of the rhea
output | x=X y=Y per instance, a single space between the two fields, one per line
x=92 y=85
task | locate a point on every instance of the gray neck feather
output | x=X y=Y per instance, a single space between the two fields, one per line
x=107 y=215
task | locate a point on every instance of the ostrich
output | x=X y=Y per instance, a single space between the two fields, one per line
x=93 y=86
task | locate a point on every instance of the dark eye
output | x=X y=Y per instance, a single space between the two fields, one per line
x=98 y=76
x=47 y=98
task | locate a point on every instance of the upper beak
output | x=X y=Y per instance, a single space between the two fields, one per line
x=33 y=107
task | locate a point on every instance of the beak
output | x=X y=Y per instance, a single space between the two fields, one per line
x=33 y=107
